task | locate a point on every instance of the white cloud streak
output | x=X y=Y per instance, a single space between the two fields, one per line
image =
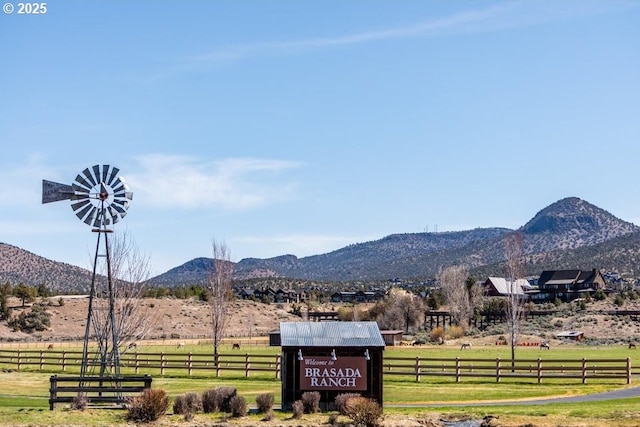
x=232 y=184
x=500 y=17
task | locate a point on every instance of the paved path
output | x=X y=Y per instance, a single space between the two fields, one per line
x=607 y=395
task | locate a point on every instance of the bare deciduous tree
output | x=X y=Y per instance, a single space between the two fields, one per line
x=402 y=310
x=132 y=320
x=220 y=293
x=515 y=297
x=453 y=284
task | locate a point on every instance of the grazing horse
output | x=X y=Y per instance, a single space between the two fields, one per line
x=131 y=345
x=632 y=345
x=236 y=346
x=50 y=347
x=466 y=345
x=544 y=346
x=181 y=345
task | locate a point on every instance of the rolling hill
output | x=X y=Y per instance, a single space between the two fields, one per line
x=570 y=233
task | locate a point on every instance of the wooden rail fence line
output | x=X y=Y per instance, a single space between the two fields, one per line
x=416 y=367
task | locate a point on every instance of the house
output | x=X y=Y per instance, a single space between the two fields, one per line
x=501 y=287
x=567 y=285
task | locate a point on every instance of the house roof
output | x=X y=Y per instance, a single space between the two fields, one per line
x=559 y=277
x=504 y=287
x=330 y=334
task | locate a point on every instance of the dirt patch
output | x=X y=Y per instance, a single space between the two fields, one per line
x=171 y=318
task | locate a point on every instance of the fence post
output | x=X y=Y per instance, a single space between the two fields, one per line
x=216 y=361
x=137 y=369
x=189 y=362
x=584 y=370
x=498 y=370
x=19 y=360
x=539 y=370
x=457 y=369
x=41 y=360
x=162 y=363
x=247 y=364
x=278 y=366
x=64 y=360
x=417 y=368
x=628 y=370
x=53 y=390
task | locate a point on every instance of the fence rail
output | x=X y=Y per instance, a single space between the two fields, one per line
x=538 y=369
x=416 y=367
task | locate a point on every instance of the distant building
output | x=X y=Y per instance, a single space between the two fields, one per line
x=567 y=285
x=501 y=287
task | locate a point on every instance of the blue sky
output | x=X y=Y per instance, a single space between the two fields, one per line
x=299 y=127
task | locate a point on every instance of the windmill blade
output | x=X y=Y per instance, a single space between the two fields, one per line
x=112 y=176
x=92 y=214
x=81 y=204
x=82 y=213
x=99 y=218
x=115 y=216
x=81 y=184
x=89 y=176
x=96 y=173
x=54 y=191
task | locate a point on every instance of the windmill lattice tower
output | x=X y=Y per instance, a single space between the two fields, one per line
x=100 y=198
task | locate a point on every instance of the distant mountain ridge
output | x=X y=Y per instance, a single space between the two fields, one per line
x=570 y=233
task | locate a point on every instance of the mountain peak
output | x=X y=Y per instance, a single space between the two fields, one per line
x=573 y=222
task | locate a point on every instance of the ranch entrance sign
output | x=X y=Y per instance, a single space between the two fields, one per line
x=347 y=374
x=331 y=358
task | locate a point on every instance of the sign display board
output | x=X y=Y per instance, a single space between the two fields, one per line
x=344 y=374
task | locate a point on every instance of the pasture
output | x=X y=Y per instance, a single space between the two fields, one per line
x=24 y=394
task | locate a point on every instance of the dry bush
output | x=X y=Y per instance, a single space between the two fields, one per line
x=80 y=401
x=210 y=401
x=437 y=334
x=455 y=332
x=150 y=405
x=342 y=399
x=364 y=412
x=311 y=402
x=264 y=402
x=238 y=406
x=187 y=403
x=298 y=409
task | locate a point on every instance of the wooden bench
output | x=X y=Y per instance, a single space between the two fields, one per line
x=96 y=389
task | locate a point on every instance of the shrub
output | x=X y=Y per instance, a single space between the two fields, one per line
x=600 y=295
x=264 y=402
x=342 y=399
x=456 y=332
x=311 y=402
x=187 y=403
x=80 y=401
x=224 y=396
x=298 y=409
x=437 y=334
x=61 y=302
x=150 y=405
x=238 y=406
x=364 y=412
x=38 y=319
x=210 y=401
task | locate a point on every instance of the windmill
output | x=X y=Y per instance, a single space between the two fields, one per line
x=99 y=198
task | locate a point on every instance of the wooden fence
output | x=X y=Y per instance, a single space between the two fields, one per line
x=498 y=369
x=96 y=389
x=414 y=367
x=48 y=360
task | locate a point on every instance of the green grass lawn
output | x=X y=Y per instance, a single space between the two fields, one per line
x=24 y=395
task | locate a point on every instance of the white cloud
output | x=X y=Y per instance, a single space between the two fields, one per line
x=500 y=17
x=184 y=182
x=22 y=185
